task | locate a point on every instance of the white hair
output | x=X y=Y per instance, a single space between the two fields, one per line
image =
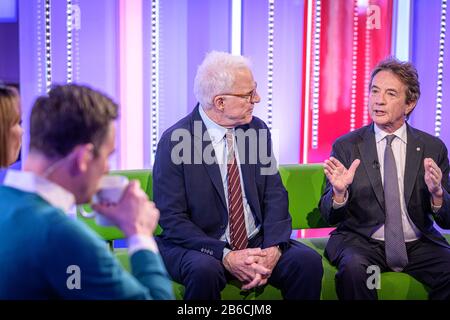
x=216 y=75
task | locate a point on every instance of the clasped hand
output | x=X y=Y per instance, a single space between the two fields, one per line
x=252 y=266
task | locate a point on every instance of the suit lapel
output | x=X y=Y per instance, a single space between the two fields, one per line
x=200 y=145
x=369 y=158
x=414 y=156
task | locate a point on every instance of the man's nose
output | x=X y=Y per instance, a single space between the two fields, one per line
x=380 y=99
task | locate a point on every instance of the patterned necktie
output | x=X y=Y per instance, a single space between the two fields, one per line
x=238 y=232
x=396 y=256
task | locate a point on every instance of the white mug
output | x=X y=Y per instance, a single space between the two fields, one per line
x=110 y=191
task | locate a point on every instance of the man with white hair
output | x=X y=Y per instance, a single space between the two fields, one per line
x=224 y=210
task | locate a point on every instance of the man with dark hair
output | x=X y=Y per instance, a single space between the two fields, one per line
x=397 y=181
x=43 y=253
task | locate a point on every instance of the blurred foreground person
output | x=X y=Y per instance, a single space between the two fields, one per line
x=43 y=253
x=10 y=128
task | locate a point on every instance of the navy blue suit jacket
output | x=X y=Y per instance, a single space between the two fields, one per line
x=364 y=211
x=191 y=198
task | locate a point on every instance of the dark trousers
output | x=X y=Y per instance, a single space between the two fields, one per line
x=428 y=262
x=298 y=273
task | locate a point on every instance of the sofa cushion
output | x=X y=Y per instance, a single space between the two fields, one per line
x=231 y=292
x=305 y=184
x=393 y=286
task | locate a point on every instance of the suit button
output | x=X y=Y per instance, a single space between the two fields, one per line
x=222 y=226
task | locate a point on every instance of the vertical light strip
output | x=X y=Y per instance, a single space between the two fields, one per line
x=154 y=90
x=438 y=119
x=270 y=24
x=76 y=12
x=316 y=76
x=69 y=62
x=236 y=27
x=131 y=86
x=307 y=71
x=40 y=75
x=367 y=64
x=48 y=51
x=402 y=30
x=364 y=5
x=354 y=65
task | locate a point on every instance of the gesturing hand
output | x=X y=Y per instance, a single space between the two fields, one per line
x=340 y=177
x=433 y=179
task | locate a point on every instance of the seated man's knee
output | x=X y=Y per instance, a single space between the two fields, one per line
x=204 y=267
x=307 y=260
x=353 y=266
x=313 y=260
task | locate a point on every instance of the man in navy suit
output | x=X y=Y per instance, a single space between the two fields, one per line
x=385 y=202
x=195 y=190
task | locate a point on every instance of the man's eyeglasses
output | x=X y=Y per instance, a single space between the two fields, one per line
x=248 y=96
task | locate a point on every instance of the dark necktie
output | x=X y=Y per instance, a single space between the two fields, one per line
x=396 y=256
x=238 y=232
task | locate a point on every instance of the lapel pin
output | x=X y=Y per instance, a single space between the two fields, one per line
x=418 y=148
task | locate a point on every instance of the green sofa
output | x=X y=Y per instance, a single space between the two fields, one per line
x=305 y=184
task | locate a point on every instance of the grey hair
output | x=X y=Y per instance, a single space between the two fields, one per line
x=216 y=75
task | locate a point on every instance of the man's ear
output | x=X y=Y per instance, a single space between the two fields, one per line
x=218 y=102
x=410 y=107
x=83 y=156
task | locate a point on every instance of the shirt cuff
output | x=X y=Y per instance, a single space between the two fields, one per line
x=434 y=208
x=225 y=252
x=337 y=205
x=141 y=242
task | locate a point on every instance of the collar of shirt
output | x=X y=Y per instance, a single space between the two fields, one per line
x=399 y=133
x=54 y=194
x=215 y=131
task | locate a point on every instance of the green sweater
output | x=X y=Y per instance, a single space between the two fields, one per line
x=46 y=255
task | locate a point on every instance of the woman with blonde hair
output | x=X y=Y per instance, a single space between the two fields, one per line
x=10 y=128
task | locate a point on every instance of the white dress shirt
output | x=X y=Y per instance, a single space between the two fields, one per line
x=410 y=231
x=64 y=200
x=218 y=141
